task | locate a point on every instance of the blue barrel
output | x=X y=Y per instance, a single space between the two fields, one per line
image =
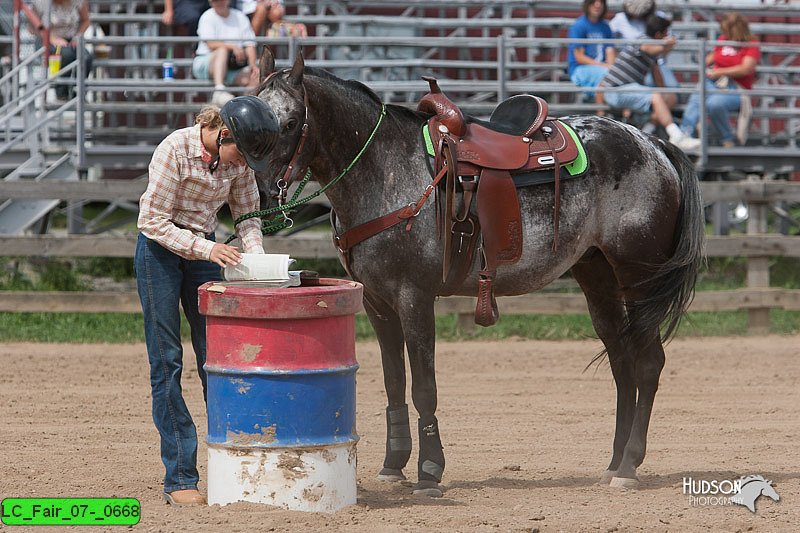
x=281 y=393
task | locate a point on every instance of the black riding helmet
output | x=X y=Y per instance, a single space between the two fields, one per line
x=253 y=127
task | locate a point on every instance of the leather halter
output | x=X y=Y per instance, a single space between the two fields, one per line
x=283 y=207
x=288 y=176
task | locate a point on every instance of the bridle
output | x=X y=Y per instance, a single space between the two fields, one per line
x=281 y=220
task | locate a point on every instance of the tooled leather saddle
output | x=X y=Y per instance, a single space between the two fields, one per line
x=480 y=159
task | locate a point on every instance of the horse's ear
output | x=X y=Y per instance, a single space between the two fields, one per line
x=266 y=63
x=296 y=75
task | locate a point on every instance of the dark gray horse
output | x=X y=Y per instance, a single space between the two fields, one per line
x=631 y=233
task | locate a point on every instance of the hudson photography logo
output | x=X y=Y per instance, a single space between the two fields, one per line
x=743 y=491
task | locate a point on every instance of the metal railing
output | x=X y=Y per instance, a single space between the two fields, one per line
x=477 y=85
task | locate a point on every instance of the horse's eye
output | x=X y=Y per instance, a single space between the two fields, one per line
x=290 y=125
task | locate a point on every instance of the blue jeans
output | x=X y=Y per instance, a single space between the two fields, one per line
x=638 y=102
x=588 y=76
x=666 y=74
x=718 y=108
x=163 y=280
x=68 y=56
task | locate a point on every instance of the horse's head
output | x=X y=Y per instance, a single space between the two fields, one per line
x=759 y=486
x=284 y=92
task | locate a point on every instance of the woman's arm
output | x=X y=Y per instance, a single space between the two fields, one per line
x=745 y=68
x=85 y=20
x=243 y=198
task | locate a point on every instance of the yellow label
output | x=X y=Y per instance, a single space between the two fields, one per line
x=54 y=63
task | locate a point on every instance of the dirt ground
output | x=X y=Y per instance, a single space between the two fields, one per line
x=526 y=433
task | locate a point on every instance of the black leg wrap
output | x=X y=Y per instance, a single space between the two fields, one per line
x=431 y=456
x=398 y=438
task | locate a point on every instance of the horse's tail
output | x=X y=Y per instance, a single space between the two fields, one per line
x=670 y=290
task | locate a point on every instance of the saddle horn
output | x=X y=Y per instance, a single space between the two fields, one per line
x=438 y=104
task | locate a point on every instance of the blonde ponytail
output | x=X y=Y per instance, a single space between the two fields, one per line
x=209 y=117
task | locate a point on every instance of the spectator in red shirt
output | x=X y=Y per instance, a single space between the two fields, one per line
x=730 y=68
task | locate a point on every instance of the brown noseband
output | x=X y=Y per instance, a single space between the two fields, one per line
x=288 y=177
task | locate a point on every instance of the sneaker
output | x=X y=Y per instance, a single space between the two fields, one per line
x=220 y=98
x=684 y=142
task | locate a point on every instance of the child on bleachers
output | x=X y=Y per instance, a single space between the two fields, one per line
x=629 y=71
x=281 y=28
x=631 y=24
x=588 y=63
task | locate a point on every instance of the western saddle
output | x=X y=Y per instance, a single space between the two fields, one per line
x=478 y=160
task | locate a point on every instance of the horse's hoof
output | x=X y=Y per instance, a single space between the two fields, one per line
x=391 y=474
x=431 y=489
x=607 y=476
x=624 y=483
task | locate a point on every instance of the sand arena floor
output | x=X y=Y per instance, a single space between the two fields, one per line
x=526 y=432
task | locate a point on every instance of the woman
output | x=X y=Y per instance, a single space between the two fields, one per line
x=588 y=63
x=68 y=20
x=729 y=68
x=194 y=171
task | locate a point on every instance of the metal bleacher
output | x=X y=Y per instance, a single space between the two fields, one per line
x=482 y=52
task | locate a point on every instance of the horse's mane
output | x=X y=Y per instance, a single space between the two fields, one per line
x=356 y=87
x=352 y=85
x=360 y=88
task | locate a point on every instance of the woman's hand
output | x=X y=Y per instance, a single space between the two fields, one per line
x=58 y=41
x=225 y=255
x=238 y=53
x=167 y=17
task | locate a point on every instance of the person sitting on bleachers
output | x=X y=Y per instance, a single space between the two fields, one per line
x=256 y=11
x=629 y=71
x=281 y=28
x=729 y=68
x=588 y=63
x=226 y=53
x=185 y=14
x=630 y=24
x=68 y=20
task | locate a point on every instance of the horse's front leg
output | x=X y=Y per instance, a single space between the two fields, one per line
x=389 y=332
x=417 y=318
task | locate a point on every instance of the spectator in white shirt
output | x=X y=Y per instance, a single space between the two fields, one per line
x=226 y=53
x=630 y=24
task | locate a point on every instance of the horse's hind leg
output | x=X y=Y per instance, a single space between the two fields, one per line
x=603 y=296
x=387 y=328
x=648 y=355
x=636 y=357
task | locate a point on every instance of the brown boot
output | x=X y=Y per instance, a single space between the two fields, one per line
x=184 y=497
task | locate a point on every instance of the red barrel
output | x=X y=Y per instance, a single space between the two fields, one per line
x=281 y=391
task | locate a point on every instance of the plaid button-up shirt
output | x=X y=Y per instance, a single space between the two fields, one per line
x=182 y=198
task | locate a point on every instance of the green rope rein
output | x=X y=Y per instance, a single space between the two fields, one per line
x=272 y=225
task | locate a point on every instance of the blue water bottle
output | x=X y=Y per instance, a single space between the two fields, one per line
x=167 y=67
